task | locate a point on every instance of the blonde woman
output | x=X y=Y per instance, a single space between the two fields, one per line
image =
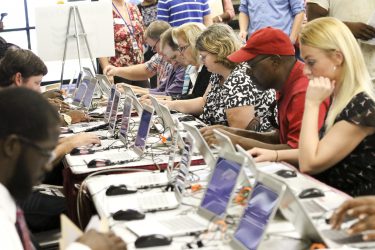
x=231 y=98
x=342 y=154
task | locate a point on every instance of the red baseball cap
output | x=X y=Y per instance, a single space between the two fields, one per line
x=266 y=41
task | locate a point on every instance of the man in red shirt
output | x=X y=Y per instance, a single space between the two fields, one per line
x=271 y=57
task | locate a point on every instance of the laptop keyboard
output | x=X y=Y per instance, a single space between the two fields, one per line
x=118 y=156
x=148 y=180
x=155 y=201
x=312 y=207
x=182 y=223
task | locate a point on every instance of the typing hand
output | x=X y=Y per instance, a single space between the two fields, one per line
x=99 y=241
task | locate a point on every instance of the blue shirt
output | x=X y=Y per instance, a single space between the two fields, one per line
x=173 y=84
x=178 y=12
x=275 y=13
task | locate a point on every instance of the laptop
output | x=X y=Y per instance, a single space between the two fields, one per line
x=158 y=123
x=137 y=105
x=216 y=199
x=109 y=103
x=151 y=201
x=104 y=84
x=113 y=114
x=260 y=210
x=89 y=95
x=79 y=94
x=224 y=141
x=200 y=143
x=121 y=156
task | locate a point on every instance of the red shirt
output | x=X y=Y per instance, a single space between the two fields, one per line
x=291 y=104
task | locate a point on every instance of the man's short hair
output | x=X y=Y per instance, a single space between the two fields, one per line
x=155 y=29
x=22 y=61
x=26 y=113
x=167 y=39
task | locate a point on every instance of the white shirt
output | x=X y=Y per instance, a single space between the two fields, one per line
x=353 y=11
x=9 y=237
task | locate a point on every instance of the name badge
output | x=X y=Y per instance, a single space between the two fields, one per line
x=118 y=21
x=135 y=45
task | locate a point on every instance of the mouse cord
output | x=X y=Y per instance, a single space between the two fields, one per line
x=79 y=201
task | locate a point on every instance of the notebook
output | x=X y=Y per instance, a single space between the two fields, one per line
x=113 y=114
x=260 y=210
x=151 y=201
x=216 y=199
x=137 y=105
x=224 y=141
x=200 y=143
x=104 y=84
x=109 y=103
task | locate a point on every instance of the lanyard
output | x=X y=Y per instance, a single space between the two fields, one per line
x=131 y=30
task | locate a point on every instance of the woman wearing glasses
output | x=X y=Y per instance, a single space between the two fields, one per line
x=231 y=97
x=342 y=153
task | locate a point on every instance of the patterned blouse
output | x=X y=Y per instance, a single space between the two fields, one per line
x=149 y=13
x=355 y=174
x=238 y=90
x=125 y=53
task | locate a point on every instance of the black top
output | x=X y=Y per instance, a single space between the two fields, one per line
x=200 y=86
x=355 y=174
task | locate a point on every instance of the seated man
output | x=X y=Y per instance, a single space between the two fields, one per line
x=28 y=138
x=270 y=55
x=157 y=65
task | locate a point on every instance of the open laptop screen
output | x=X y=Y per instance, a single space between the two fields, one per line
x=126 y=117
x=261 y=204
x=91 y=84
x=80 y=93
x=79 y=78
x=144 y=127
x=109 y=103
x=113 y=115
x=221 y=185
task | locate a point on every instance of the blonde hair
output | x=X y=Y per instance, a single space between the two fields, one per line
x=220 y=40
x=329 y=34
x=189 y=32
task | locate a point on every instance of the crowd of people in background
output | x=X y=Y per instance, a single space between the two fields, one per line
x=314 y=109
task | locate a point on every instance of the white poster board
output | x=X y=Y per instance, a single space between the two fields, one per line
x=51 y=26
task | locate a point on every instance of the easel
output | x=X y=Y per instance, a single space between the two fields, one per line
x=74 y=11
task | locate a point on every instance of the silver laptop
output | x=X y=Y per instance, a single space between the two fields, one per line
x=137 y=105
x=89 y=95
x=251 y=164
x=260 y=210
x=216 y=199
x=136 y=150
x=104 y=84
x=109 y=103
x=151 y=201
x=200 y=143
x=113 y=114
x=79 y=94
x=224 y=141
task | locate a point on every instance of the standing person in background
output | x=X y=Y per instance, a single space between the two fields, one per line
x=286 y=15
x=228 y=12
x=355 y=14
x=177 y=12
x=149 y=12
x=128 y=36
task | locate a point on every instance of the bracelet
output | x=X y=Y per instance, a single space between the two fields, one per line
x=277 y=155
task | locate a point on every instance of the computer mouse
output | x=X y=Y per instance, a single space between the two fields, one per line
x=311 y=193
x=286 y=173
x=82 y=151
x=186 y=118
x=120 y=190
x=97 y=163
x=129 y=214
x=152 y=240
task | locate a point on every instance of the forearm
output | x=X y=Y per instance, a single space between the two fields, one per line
x=192 y=106
x=244 y=21
x=207 y=20
x=296 y=28
x=104 y=62
x=309 y=138
x=137 y=72
x=266 y=137
x=289 y=155
x=249 y=143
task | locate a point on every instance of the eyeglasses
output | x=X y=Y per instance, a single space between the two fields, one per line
x=48 y=153
x=183 y=48
x=153 y=47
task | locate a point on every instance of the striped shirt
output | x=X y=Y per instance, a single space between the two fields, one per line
x=178 y=12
